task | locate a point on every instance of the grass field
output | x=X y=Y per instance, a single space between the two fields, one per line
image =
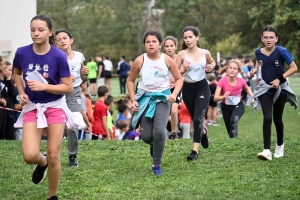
x=228 y=169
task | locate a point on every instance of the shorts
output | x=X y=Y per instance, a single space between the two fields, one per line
x=107 y=74
x=179 y=96
x=92 y=80
x=211 y=102
x=53 y=116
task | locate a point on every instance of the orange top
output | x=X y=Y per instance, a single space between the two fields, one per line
x=184 y=115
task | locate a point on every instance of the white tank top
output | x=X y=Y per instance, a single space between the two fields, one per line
x=154 y=75
x=196 y=71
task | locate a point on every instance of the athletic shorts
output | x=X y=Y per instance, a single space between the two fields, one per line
x=53 y=116
x=211 y=102
x=179 y=96
x=92 y=80
x=107 y=74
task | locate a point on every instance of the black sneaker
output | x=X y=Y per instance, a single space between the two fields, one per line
x=53 y=198
x=151 y=150
x=193 y=155
x=204 y=140
x=39 y=174
x=73 y=161
x=173 y=136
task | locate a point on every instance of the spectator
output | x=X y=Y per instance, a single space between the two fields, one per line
x=184 y=121
x=101 y=72
x=123 y=70
x=108 y=68
x=92 y=76
x=123 y=128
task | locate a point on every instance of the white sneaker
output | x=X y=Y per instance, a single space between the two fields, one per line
x=279 y=151
x=266 y=154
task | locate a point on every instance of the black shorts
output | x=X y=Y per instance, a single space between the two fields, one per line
x=179 y=96
x=107 y=74
x=211 y=102
x=92 y=80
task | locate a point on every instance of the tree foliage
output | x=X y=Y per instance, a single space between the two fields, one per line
x=114 y=27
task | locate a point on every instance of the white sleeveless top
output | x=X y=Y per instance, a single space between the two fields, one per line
x=196 y=70
x=154 y=75
x=75 y=67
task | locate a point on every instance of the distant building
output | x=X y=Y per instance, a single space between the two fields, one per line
x=15 y=16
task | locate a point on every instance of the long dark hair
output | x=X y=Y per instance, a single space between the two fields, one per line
x=49 y=22
x=195 y=31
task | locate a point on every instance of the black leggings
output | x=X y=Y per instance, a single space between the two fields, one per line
x=196 y=97
x=267 y=108
x=231 y=116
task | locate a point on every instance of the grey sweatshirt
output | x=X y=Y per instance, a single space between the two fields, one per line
x=262 y=88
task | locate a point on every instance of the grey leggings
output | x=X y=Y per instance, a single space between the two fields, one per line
x=74 y=104
x=154 y=130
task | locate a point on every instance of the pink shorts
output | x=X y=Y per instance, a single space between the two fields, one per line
x=53 y=116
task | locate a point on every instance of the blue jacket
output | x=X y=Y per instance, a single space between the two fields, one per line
x=145 y=99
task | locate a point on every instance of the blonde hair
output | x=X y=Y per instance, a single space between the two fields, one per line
x=236 y=61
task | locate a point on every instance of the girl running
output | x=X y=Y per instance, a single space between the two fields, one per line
x=45 y=105
x=195 y=90
x=153 y=93
x=64 y=41
x=273 y=91
x=170 y=45
x=229 y=90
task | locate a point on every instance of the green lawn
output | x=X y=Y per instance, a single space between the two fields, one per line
x=228 y=169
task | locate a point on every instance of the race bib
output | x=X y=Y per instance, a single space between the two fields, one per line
x=195 y=73
x=232 y=100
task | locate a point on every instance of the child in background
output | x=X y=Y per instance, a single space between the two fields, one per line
x=212 y=105
x=125 y=100
x=123 y=112
x=100 y=129
x=123 y=128
x=184 y=121
x=89 y=111
x=109 y=102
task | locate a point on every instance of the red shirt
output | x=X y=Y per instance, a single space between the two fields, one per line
x=184 y=115
x=100 y=110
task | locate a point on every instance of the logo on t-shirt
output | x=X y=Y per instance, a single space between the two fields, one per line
x=30 y=66
x=261 y=62
x=277 y=63
x=38 y=67
x=46 y=67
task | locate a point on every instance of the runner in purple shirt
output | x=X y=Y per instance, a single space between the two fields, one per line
x=49 y=65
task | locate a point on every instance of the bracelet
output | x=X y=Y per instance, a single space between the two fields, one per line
x=281 y=78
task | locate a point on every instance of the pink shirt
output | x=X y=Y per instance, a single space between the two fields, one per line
x=234 y=90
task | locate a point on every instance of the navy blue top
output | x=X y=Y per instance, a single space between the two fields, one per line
x=124 y=68
x=272 y=66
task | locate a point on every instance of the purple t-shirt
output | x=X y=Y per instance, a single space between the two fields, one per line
x=52 y=66
x=234 y=90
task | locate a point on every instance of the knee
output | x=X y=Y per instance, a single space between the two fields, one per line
x=147 y=138
x=159 y=134
x=30 y=157
x=52 y=158
x=234 y=119
x=268 y=120
x=197 y=122
x=174 y=111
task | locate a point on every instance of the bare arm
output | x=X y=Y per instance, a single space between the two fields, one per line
x=18 y=80
x=293 y=68
x=179 y=62
x=175 y=73
x=248 y=91
x=217 y=96
x=211 y=64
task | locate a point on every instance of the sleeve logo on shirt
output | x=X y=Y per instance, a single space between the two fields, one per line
x=261 y=63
